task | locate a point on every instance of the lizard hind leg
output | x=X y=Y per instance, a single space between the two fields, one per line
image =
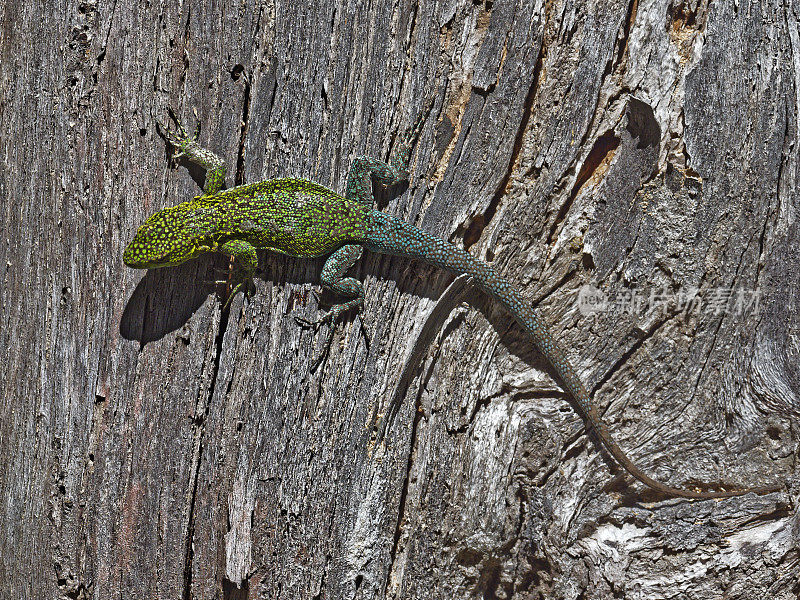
x=333 y=278
x=242 y=278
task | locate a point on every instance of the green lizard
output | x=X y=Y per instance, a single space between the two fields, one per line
x=304 y=219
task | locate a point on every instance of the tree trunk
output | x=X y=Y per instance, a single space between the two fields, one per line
x=631 y=166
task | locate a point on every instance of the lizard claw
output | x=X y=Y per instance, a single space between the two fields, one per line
x=245 y=284
x=313 y=325
x=177 y=137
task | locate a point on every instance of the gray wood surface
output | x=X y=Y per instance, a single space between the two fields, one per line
x=152 y=447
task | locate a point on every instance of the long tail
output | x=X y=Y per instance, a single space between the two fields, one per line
x=389 y=235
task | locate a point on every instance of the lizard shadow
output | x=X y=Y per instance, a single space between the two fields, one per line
x=163 y=302
x=166 y=298
x=516 y=341
x=449 y=291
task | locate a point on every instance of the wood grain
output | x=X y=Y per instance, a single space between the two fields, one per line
x=152 y=447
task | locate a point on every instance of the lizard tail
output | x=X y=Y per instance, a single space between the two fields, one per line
x=388 y=235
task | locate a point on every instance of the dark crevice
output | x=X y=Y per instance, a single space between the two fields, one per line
x=604 y=147
x=185 y=41
x=102 y=54
x=626 y=30
x=239 y=178
x=539 y=395
x=257 y=32
x=319 y=594
x=398 y=530
x=720 y=321
x=155 y=74
x=784 y=155
x=200 y=423
x=324 y=96
x=479 y=404
x=273 y=71
x=763 y=235
x=230 y=591
x=411 y=29
x=568 y=275
x=189 y=550
x=418 y=412
x=186 y=27
x=478 y=223
x=477 y=408
x=406 y=70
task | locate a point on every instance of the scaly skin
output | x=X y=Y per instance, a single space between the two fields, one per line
x=300 y=218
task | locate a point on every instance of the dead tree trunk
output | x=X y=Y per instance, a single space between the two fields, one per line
x=642 y=154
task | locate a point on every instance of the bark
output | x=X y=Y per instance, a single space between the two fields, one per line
x=641 y=152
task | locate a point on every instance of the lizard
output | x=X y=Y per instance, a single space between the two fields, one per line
x=301 y=218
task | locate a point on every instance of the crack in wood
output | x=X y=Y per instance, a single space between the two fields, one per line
x=619 y=363
x=200 y=426
x=630 y=18
x=418 y=413
x=478 y=223
x=594 y=167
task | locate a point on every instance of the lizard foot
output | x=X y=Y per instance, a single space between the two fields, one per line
x=178 y=137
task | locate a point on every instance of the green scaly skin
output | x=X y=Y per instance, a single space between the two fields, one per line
x=300 y=218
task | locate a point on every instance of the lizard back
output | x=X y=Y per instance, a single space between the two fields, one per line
x=290 y=216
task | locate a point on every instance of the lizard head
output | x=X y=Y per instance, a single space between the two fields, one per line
x=167 y=238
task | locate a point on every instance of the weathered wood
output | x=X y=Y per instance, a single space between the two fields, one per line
x=153 y=447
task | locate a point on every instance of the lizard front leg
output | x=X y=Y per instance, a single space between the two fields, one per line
x=187 y=146
x=248 y=263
